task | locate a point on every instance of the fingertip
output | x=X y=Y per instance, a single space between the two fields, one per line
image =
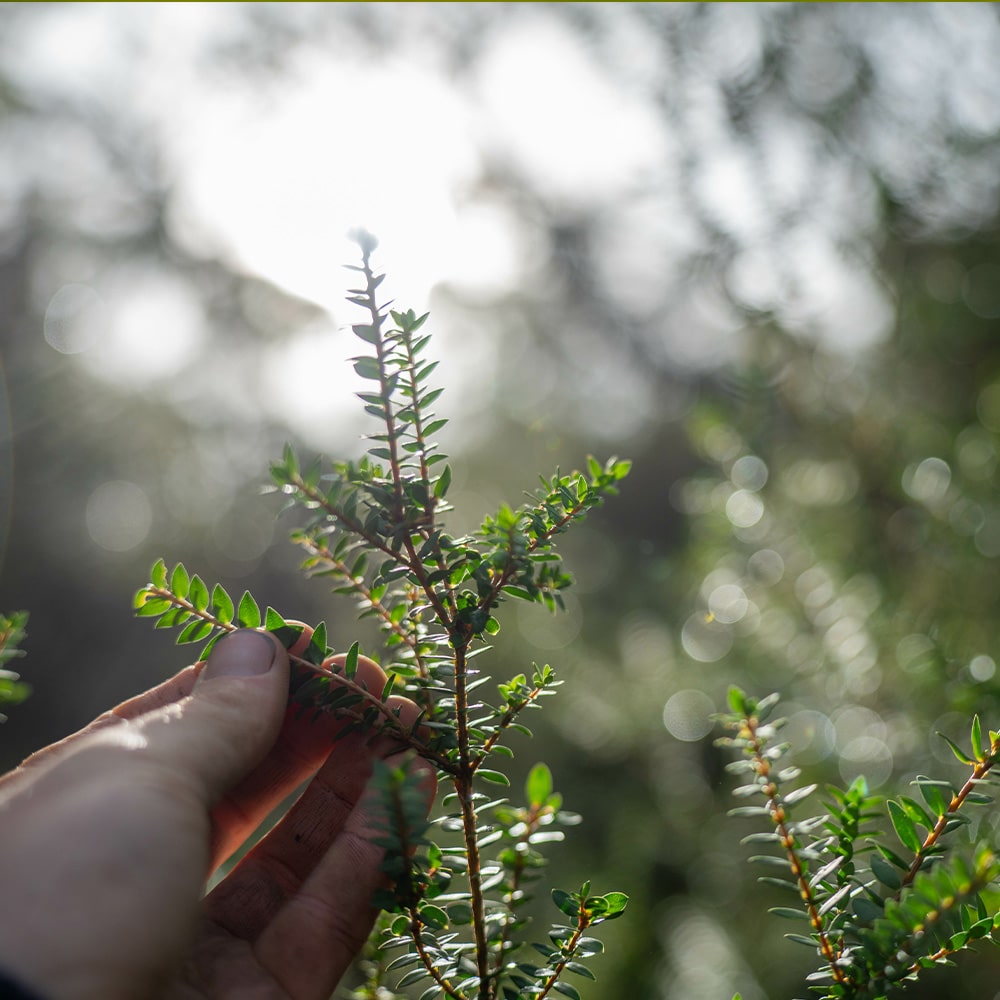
x=242 y=653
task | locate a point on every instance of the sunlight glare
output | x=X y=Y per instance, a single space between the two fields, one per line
x=279 y=185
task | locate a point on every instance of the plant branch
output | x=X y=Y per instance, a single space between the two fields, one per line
x=463 y=788
x=762 y=767
x=412 y=563
x=428 y=963
x=408 y=737
x=582 y=924
x=505 y=720
x=531 y=825
x=323 y=552
x=979 y=772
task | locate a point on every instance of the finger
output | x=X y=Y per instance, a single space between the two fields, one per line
x=303 y=744
x=174 y=689
x=250 y=896
x=210 y=740
x=166 y=693
x=319 y=931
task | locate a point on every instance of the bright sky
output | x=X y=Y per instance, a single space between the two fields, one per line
x=272 y=177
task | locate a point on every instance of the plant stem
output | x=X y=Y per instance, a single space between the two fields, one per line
x=389 y=718
x=411 y=639
x=463 y=788
x=428 y=962
x=762 y=767
x=570 y=946
x=980 y=771
x=530 y=826
x=412 y=563
x=506 y=719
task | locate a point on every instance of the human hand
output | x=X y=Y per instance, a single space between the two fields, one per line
x=107 y=837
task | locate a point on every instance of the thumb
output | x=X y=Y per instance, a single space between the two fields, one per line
x=231 y=719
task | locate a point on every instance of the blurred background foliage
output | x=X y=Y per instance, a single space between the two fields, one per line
x=752 y=247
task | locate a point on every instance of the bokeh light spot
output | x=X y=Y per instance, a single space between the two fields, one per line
x=977 y=453
x=988 y=407
x=749 y=473
x=982 y=667
x=75 y=318
x=728 y=603
x=866 y=756
x=915 y=653
x=811 y=735
x=766 y=566
x=744 y=509
x=687 y=715
x=705 y=639
x=928 y=481
x=547 y=631
x=119 y=515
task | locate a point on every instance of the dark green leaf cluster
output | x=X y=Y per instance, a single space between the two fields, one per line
x=177 y=599
x=373 y=530
x=521 y=560
x=13 y=629
x=432 y=908
x=877 y=915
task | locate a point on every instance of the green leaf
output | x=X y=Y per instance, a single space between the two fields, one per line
x=207 y=648
x=443 y=482
x=199 y=593
x=351 y=662
x=799 y=939
x=917 y=813
x=957 y=750
x=249 y=614
x=737 y=700
x=223 y=605
x=566 y=902
x=616 y=903
x=580 y=970
x=566 y=990
x=497 y=777
x=977 y=739
x=390 y=683
x=318 y=642
x=148 y=606
x=433 y=916
x=904 y=827
x=934 y=796
x=179 y=581
x=195 y=631
x=885 y=872
x=368 y=368
x=158 y=574
x=538 y=787
x=272 y=620
x=866 y=910
x=366 y=332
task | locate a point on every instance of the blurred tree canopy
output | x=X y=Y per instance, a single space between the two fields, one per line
x=754 y=248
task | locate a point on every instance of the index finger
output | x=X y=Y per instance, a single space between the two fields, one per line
x=304 y=743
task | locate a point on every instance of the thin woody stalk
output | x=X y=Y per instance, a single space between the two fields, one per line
x=762 y=768
x=375 y=528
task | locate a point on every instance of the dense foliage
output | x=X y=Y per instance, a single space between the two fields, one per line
x=754 y=247
x=375 y=532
